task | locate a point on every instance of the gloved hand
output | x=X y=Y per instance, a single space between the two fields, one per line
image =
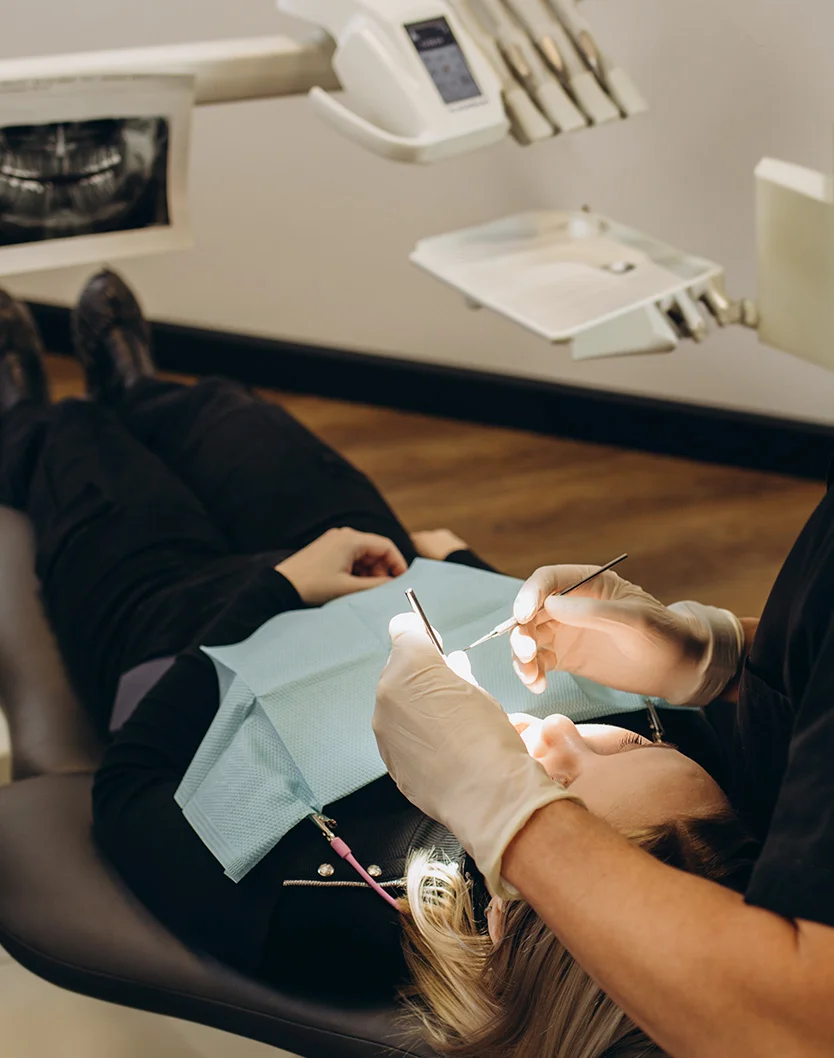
x=453 y=752
x=618 y=635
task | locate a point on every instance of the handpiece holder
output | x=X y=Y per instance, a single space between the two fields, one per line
x=420 y=90
x=603 y=289
x=582 y=280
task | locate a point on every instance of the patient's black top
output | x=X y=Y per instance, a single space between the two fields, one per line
x=782 y=741
x=301 y=918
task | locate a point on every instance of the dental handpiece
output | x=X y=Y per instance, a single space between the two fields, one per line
x=582 y=35
x=421 y=613
x=612 y=78
x=563 y=57
x=527 y=123
x=528 y=66
x=547 y=34
x=511 y=42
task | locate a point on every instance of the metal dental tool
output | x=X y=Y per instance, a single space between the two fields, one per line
x=341 y=848
x=508 y=626
x=654 y=721
x=683 y=312
x=722 y=309
x=421 y=613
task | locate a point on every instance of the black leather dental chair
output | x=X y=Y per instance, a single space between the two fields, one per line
x=66 y=916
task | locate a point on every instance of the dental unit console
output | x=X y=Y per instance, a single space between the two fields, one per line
x=422 y=89
x=427 y=80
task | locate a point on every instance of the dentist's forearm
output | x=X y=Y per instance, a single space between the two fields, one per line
x=704 y=974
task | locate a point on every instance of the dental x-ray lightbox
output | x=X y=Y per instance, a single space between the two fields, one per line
x=92 y=169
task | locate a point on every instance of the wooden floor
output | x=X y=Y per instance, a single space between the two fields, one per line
x=521 y=500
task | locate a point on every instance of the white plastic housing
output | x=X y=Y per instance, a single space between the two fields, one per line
x=225 y=71
x=795 y=249
x=397 y=107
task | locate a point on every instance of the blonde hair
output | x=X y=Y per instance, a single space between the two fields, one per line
x=526 y=997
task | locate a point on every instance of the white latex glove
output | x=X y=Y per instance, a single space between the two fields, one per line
x=453 y=752
x=616 y=634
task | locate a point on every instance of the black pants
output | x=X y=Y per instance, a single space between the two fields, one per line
x=148 y=517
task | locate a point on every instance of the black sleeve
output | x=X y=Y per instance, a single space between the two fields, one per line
x=264 y=595
x=469 y=558
x=794 y=875
x=169 y=723
x=138 y=823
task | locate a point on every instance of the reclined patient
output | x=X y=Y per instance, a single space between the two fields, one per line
x=169 y=517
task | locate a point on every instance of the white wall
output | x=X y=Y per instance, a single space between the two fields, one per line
x=300 y=235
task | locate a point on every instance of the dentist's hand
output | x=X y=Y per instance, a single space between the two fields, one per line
x=615 y=633
x=453 y=751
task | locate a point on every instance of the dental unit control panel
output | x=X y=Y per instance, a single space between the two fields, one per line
x=422 y=91
x=430 y=79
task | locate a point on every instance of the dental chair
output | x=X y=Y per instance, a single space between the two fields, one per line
x=66 y=915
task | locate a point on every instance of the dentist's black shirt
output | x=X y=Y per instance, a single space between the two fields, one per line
x=782 y=745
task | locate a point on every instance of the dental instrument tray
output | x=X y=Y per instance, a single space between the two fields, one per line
x=582 y=278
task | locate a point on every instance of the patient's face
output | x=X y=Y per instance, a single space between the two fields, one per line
x=620 y=776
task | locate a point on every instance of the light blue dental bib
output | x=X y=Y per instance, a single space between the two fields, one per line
x=293 y=731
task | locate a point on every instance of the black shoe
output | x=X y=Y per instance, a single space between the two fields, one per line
x=111 y=337
x=22 y=372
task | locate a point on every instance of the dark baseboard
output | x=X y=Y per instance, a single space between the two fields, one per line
x=666 y=427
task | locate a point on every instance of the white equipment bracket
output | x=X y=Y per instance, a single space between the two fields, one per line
x=795 y=249
x=225 y=71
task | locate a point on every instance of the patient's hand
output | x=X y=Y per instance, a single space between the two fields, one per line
x=437 y=543
x=340 y=562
